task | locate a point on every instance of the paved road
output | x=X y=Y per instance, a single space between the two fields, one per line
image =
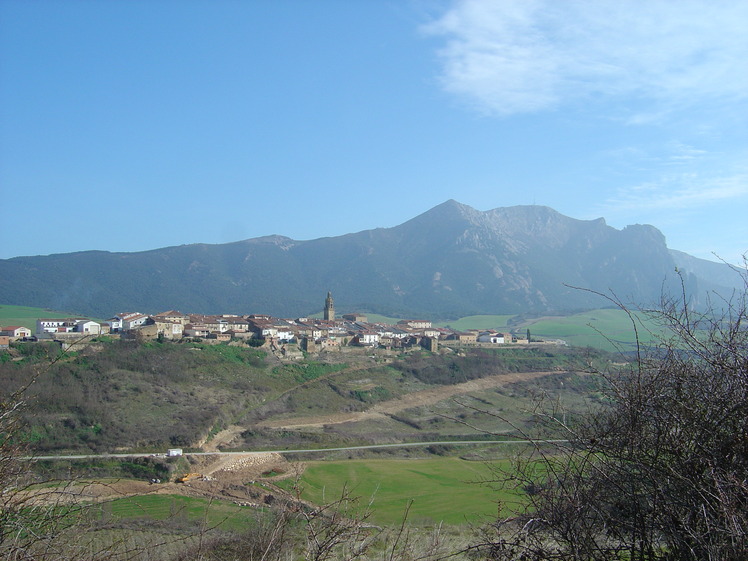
x=345 y=448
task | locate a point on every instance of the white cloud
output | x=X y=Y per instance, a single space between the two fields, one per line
x=684 y=154
x=514 y=56
x=678 y=192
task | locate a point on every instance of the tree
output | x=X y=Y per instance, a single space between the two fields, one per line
x=659 y=473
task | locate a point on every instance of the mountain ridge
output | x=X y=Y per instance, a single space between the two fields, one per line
x=449 y=261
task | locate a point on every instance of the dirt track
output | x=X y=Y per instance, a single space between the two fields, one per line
x=414 y=399
x=224 y=477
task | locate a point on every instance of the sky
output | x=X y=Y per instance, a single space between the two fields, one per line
x=130 y=125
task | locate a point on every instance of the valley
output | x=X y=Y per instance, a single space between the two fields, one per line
x=422 y=437
x=125 y=396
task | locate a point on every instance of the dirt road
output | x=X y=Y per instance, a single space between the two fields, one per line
x=415 y=399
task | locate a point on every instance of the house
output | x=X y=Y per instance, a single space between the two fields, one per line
x=67 y=325
x=173 y=316
x=414 y=323
x=466 y=337
x=285 y=330
x=15 y=332
x=432 y=332
x=491 y=337
x=360 y=318
x=50 y=325
x=195 y=330
x=131 y=320
x=308 y=330
x=56 y=325
x=167 y=328
x=115 y=324
x=88 y=327
x=237 y=324
x=397 y=333
x=142 y=332
x=211 y=323
x=262 y=328
x=431 y=344
x=367 y=338
x=328 y=343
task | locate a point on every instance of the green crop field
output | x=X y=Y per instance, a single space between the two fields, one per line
x=26 y=316
x=607 y=329
x=162 y=507
x=449 y=490
x=377 y=318
x=478 y=322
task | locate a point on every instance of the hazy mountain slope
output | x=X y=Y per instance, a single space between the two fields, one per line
x=715 y=281
x=449 y=261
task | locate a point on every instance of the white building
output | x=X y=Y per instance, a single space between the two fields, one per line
x=89 y=327
x=56 y=325
x=132 y=320
x=15 y=331
x=489 y=337
x=367 y=338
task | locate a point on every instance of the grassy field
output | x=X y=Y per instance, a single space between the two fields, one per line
x=445 y=489
x=163 y=507
x=478 y=322
x=26 y=316
x=607 y=329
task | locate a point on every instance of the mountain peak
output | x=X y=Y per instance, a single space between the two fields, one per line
x=451 y=208
x=452 y=260
x=526 y=213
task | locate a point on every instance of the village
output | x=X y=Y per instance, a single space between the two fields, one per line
x=280 y=335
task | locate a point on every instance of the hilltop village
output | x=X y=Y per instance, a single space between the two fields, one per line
x=306 y=333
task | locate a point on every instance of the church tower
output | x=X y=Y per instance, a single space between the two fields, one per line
x=329 y=308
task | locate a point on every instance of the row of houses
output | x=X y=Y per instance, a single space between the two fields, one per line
x=311 y=333
x=324 y=333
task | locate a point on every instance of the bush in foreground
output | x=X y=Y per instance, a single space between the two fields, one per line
x=661 y=473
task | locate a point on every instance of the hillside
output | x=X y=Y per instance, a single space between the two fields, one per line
x=448 y=262
x=118 y=395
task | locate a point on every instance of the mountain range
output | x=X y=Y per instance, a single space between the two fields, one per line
x=448 y=262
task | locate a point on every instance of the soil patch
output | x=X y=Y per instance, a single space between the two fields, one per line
x=245 y=479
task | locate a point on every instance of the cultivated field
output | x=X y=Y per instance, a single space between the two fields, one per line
x=429 y=491
x=26 y=316
x=478 y=322
x=607 y=329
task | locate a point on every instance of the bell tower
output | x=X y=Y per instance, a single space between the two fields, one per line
x=329 y=308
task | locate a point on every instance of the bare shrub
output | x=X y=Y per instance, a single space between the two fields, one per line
x=660 y=473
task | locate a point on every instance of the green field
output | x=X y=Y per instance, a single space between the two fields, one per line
x=211 y=513
x=26 y=316
x=607 y=329
x=478 y=322
x=449 y=490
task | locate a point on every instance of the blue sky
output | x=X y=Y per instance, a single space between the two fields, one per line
x=133 y=125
